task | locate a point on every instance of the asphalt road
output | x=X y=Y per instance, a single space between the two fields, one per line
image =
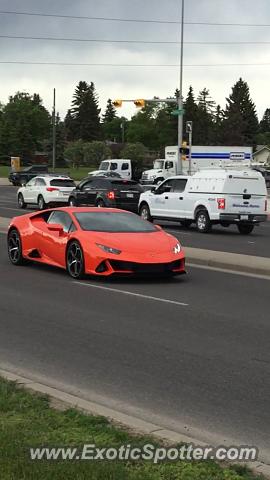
x=191 y=353
x=221 y=239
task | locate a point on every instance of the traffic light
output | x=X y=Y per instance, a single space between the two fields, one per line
x=184 y=150
x=117 y=103
x=140 y=103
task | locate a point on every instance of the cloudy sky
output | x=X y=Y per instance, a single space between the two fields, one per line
x=135 y=81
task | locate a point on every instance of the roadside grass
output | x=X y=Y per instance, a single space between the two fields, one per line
x=75 y=173
x=27 y=420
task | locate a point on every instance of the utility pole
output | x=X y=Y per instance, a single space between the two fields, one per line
x=180 y=98
x=189 y=131
x=53 y=133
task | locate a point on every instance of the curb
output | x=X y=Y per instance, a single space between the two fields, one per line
x=228 y=261
x=133 y=423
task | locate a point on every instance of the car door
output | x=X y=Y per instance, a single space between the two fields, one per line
x=159 y=203
x=38 y=188
x=125 y=170
x=29 y=191
x=53 y=245
x=83 y=192
x=177 y=201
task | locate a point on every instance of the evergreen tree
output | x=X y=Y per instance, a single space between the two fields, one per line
x=265 y=122
x=241 y=122
x=83 y=120
x=110 y=112
x=206 y=105
x=191 y=113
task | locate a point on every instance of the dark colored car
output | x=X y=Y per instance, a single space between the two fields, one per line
x=107 y=192
x=265 y=173
x=19 y=178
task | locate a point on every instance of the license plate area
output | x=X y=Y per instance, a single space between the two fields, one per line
x=244 y=217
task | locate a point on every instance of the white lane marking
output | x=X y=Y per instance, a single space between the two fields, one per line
x=230 y=272
x=124 y=292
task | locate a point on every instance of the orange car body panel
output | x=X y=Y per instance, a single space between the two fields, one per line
x=143 y=248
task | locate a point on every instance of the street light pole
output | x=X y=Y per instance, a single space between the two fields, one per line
x=180 y=98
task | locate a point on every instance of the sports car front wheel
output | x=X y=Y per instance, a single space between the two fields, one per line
x=75 y=260
x=15 y=247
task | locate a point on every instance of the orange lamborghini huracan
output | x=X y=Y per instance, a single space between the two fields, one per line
x=95 y=241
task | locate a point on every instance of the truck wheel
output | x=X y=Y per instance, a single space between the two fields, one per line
x=203 y=222
x=245 y=229
x=144 y=213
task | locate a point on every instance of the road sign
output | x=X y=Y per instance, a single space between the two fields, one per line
x=177 y=112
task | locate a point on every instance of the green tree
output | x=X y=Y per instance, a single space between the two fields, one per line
x=204 y=125
x=82 y=120
x=95 y=152
x=25 y=123
x=137 y=153
x=241 y=122
x=60 y=141
x=110 y=112
x=264 y=126
x=191 y=113
x=74 y=153
x=142 y=128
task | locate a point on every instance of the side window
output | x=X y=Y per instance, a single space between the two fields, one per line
x=62 y=218
x=179 y=185
x=31 y=182
x=165 y=187
x=125 y=166
x=87 y=185
x=99 y=184
x=40 y=182
x=113 y=166
x=168 y=164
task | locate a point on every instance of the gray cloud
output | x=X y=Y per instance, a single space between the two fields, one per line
x=130 y=82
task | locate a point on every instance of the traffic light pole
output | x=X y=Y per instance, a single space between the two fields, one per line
x=180 y=98
x=53 y=133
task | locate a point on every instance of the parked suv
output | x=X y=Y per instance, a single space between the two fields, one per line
x=107 y=192
x=46 y=190
x=19 y=178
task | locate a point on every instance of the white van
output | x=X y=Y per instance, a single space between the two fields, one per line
x=209 y=197
x=121 y=166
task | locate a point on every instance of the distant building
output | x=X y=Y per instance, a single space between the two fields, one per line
x=262 y=155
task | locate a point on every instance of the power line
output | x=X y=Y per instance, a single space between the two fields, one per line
x=100 y=40
x=6 y=62
x=135 y=20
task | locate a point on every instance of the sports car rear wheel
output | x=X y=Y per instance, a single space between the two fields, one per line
x=75 y=260
x=15 y=247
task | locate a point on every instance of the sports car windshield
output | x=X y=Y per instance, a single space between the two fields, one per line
x=113 y=222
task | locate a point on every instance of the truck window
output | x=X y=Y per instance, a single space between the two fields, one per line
x=168 y=165
x=104 y=166
x=125 y=166
x=159 y=164
x=179 y=185
x=113 y=166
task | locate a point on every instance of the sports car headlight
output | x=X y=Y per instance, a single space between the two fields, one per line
x=106 y=249
x=177 y=248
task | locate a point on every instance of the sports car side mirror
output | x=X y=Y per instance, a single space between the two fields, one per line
x=55 y=227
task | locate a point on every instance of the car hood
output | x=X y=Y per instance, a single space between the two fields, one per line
x=159 y=241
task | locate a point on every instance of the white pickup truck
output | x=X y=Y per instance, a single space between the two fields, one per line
x=209 y=197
